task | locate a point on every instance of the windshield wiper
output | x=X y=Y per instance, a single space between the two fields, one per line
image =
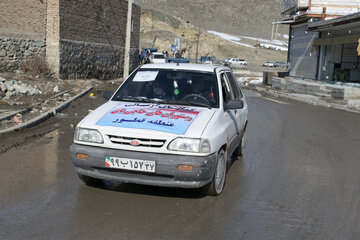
x=157 y=100
x=131 y=98
x=188 y=103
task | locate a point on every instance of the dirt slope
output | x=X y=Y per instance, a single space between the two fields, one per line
x=242 y=17
x=159 y=30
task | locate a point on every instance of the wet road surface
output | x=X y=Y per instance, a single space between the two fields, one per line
x=299 y=179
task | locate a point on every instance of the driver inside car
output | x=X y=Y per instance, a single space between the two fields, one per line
x=199 y=87
x=160 y=90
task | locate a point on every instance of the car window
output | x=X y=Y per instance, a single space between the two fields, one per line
x=158 y=56
x=226 y=88
x=234 y=85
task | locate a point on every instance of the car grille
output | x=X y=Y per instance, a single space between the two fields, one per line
x=136 y=175
x=143 y=142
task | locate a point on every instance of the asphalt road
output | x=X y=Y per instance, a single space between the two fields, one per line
x=299 y=179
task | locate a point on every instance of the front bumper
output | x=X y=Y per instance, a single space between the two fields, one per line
x=166 y=175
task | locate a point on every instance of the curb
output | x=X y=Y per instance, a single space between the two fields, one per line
x=307 y=101
x=28 y=109
x=22 y=111
x=45 y=115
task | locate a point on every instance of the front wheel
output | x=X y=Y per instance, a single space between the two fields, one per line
x=216 y=185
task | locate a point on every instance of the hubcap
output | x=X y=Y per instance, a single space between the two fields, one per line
x=220 y=173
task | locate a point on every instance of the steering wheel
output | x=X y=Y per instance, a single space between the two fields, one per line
x=195 y=97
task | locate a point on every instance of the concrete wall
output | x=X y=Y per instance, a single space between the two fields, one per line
x=53 y=35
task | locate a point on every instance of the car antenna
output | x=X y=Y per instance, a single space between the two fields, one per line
x=177 y=64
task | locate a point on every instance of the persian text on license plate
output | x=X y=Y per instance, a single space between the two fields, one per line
x=130 y=164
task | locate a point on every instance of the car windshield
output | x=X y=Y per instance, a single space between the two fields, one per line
x=190 y=88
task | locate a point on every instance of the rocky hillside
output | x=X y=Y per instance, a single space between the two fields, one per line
x=242 y=17
x=159 y=30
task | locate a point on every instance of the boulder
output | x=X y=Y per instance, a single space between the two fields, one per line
x=9 y=94
x=28 y=53
x=56 y=89
x=3 y=53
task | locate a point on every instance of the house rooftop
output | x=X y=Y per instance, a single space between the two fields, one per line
x=351 y=21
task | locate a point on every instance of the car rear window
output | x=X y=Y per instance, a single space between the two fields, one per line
x=159 y=56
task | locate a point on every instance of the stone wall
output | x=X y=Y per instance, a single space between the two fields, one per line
x=80 y=38
x=22 y=31
x=13 y=50
x=93 y=60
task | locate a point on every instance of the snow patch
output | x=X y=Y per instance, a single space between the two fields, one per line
x=274 y=47
x=250 y=80
x=274 y=44
x=231 y=38
x=225 y=36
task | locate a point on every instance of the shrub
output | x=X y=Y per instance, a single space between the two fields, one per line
x=36 y=66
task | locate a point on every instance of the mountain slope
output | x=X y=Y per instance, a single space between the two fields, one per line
x=159 y=30
x=240 y=17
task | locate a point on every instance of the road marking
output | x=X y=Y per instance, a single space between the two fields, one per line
x=277 y=101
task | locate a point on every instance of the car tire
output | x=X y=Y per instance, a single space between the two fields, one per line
x=240 y=150
x=216 y=186
x=89 y=180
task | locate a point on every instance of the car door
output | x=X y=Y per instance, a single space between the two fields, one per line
x=232 y=129
x=238 y=95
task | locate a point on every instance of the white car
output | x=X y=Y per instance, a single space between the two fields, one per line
x=171 y=125
x=236 y=61
x=269 y=64
x=157 y=57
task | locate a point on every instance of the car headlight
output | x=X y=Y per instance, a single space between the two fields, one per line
x=190 y=145
x=88 y=135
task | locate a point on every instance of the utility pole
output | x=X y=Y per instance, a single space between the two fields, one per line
x=128 y=38
x=197 y=46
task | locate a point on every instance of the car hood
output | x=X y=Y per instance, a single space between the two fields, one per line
x=148 y=119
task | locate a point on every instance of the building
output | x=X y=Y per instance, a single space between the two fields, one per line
x=338 y=45
x=317 y=49
x=78 y=38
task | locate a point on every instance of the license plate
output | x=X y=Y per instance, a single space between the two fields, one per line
x=130 y=164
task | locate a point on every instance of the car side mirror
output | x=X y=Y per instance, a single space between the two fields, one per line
x=107 y=94
x=234 y=104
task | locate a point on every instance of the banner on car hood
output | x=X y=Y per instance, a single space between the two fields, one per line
x=165 y=118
